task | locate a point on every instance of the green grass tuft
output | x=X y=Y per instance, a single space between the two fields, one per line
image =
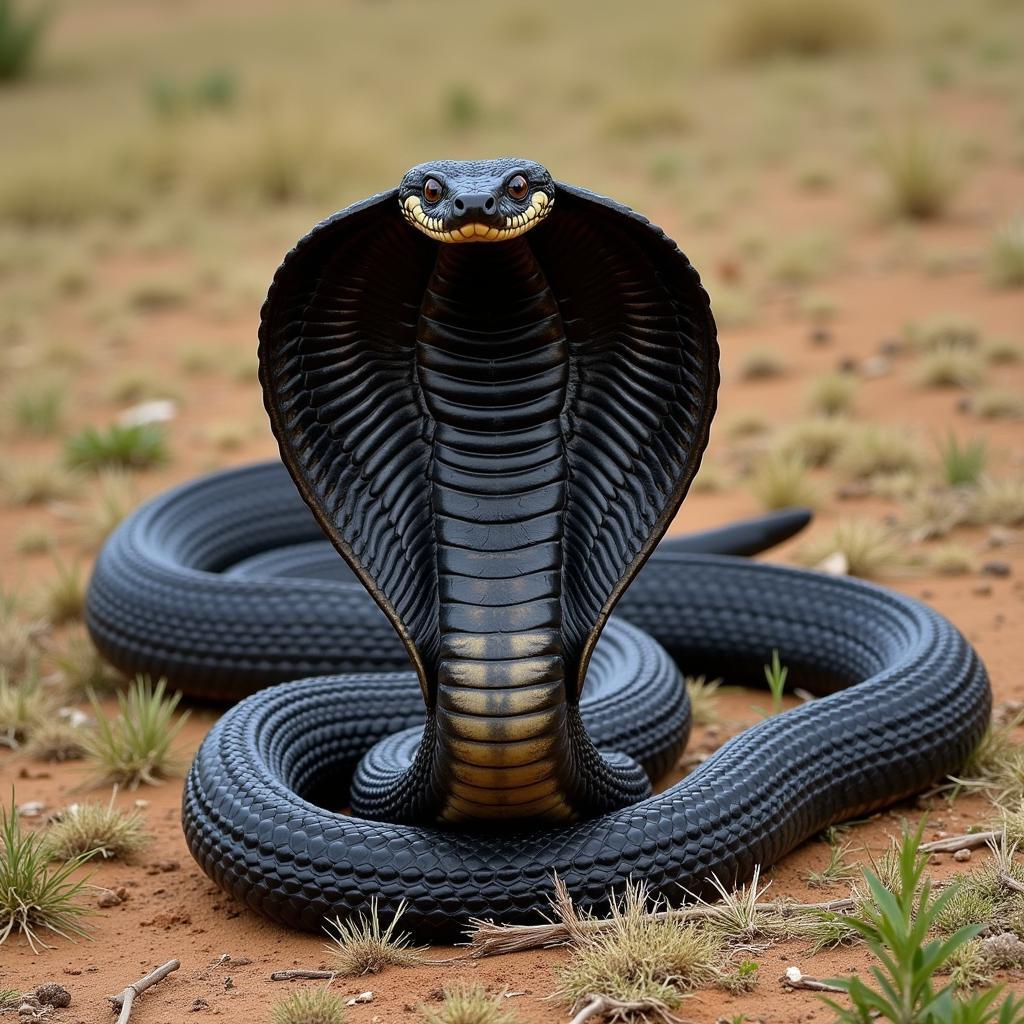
x=136 y=447
x=780 y=480
x=136 y=746
x=23 y=707
x=833 y=394
x=775 y=676
x=37 y=407
x=21 y=33
x=34 y=897
x=962 y=465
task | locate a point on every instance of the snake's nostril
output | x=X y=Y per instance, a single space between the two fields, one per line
x=489 y=204
x=460 y=206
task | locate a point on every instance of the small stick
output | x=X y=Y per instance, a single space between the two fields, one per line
x=968 y=841
x=809 y=984
x=1008 y=882
x=126 y=1000
x=303 y=975
x=594 y=1004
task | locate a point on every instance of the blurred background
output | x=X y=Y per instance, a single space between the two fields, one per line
x=846 y=174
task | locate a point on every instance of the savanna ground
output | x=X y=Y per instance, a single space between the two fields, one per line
x=849 y=179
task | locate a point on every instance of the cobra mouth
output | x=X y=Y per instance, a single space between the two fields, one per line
x=476 y=231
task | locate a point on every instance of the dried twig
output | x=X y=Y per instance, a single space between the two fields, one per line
x=126 y=999
x=594 y=1005
x=967 y=841
x=1009 y=882
x=795 y=978
x=304 y=976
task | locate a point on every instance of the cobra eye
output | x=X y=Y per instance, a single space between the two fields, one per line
x=432 y=190
x=517 y=187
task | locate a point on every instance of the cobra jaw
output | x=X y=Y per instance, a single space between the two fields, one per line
x=433 y=227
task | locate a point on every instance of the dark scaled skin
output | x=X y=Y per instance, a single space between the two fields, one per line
x=492 y=390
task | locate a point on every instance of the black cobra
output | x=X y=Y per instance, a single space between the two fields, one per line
x=493 y=390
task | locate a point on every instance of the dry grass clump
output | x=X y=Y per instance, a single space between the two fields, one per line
x=711 y=478
x=997 y=404
x=781 y=479
x=920 y=176
x=36 y=482
x=137 y=746
x=361 y=945
x=934 y=512
x=95 y=828
x=37 y=407
x=24 y=706
x=949 y=367
x=58 y=739
x=747 y=424
x=996 y=767
x=469 y=1004
x=998 y=503
x=80 y=666
x=1003 y=352
x=34 y=897
x=20 y=637
x=113 y=495
x=951 y=560
x=832 y=394
x=639 y=957
x=62 y=598
x=762 y=364
x=703 y=694
x=757 y=30
x=33 y=539
x=310 y=1006
x=815 y=441
x=1006 y=255
x=941 y=332
x=879 y=450
x=867 y=548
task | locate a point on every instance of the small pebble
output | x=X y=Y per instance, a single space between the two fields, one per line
x=962 y=855
x=875 y=367
x=32 y=809
x=198 y=1004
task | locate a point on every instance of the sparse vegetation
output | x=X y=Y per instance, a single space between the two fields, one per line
x=816 y=441
x=1006 y=255
x=998 y=502
x=832 y=394
x=703 y=694
x=762 y=364
x=37 y=407
x=80 y=667
x=96 y=828
x=895 y=922
x=962 y=465
x=21 y=33
x=867 y=548
x=60 y=738
x=951 y=560
x=361 y=945
x=62 y=599
x=997 y=404
x=838 y=868
x=137 y=746
x=755 y=30
x=35 y=898
x=310 y=1006
x=113 y=495
x=138 y=447
x=23 y=706
x=781 y=479
x=775 y=676
x=949 y=368
x=469 y=1004
x=920 y=177
x=36 y=482
x=640 y=957
x=879 y=450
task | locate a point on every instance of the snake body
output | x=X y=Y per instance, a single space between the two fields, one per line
x=492 y=392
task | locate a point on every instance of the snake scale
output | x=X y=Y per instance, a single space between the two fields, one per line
x=492 y=391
